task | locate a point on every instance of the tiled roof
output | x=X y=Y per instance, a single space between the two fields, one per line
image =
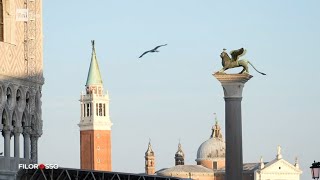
x=185 y=169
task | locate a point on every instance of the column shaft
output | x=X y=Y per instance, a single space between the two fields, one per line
x=26 y=145
x=34 y=149
x=232 y=87
x=6 y=135
x=17 y=145
x=234 y=158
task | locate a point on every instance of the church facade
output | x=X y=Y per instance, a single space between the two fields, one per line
x=21 y=80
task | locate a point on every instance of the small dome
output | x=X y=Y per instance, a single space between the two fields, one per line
x=213 y=147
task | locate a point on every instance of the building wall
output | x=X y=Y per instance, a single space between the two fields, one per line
x=245 y=176
x=210 y=163
x=21 y=50
x=95 y=149
x=21 y=80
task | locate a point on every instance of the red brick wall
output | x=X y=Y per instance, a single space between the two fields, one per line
x=95 y=150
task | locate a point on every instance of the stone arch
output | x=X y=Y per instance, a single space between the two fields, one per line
x=14 y=120
x=4 y=118
x=24 y=121
x=27 y=106
x=9 y=96
x=18 y=97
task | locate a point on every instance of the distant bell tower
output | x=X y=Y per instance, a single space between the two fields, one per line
x=179 y=156
x=95 y=124
x=149 y=160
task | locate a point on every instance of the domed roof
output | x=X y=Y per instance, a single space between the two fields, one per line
x=185 y=170
x=213 y=147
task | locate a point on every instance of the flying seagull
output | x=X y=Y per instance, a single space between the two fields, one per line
x=152 y=50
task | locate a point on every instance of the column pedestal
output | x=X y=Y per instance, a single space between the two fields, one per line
x=232 y=86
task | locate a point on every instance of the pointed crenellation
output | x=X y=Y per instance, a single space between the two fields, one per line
x=149 y=160
x=179 y=156
x=279 y=155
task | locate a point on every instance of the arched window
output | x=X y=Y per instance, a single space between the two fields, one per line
x=9 y=96
x=1 y=21
x=4 y=118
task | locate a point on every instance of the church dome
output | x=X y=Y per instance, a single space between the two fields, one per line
x=213 y=147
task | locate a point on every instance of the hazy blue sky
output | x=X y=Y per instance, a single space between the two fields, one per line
x=172 y=94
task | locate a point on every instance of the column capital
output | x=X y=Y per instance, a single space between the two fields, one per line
x=34 y=136
x=17 y=130
x=232 y=84
x=26 y=131
x=7 y=129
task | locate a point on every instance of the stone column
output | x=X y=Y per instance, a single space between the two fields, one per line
x=232 y=86
x=34 y=148
x=6 y=132
x=17 y=131
x=26 y=147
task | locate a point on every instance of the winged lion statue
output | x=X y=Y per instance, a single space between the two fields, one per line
x=234 y=61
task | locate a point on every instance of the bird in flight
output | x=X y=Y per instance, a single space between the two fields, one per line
x=152 y=50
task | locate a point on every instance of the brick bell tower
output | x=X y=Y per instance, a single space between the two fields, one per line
x=149 y=160
x=95 y=124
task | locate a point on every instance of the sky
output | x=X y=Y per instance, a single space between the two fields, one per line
x=172 y=94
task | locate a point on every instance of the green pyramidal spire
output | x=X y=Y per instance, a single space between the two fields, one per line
x=94 y=76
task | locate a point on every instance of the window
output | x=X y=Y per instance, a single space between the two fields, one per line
x=88 y=109
x=1 y=22
x=100 y=109
x=90 y=113
x=84 y=112
x=214 y=165
x=97 y=109
x=104 y=109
